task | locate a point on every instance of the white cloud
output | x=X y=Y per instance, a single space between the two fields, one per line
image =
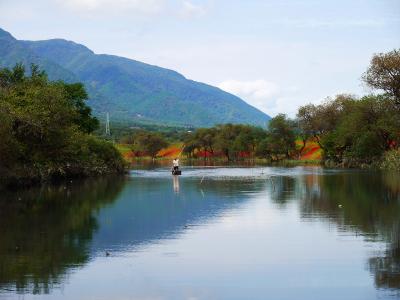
x=258 y=93
x=108 y=6
x=191 y=10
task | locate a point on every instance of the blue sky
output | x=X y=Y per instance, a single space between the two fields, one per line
x=276 y=55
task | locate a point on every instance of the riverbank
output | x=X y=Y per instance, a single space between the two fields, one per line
x=92 y=158
x=389 y=162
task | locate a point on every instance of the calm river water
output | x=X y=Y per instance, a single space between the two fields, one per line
x=213 y=233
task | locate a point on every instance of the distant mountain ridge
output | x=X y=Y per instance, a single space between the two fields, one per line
x=131 y=91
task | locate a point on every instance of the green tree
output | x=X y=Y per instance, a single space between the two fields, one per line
x=225 y=140
x=367 y=130
x=281 y=136
x=320 y=120
x=263 y=148
x=205 y=139
x=77 y=95
x=149 y=142
x=384 y=74
x=231 y=140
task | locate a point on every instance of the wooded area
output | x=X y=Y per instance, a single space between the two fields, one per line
x=45 y=130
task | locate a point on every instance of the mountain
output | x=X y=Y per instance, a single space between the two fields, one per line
x=131 y=91
x=13 y=51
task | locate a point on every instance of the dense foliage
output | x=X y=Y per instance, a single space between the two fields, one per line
x=45 y=130
x=231 y=141
x=354 y=131
x=131 y=91
x=148 y=143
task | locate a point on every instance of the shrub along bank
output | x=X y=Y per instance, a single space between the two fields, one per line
x=45 y=131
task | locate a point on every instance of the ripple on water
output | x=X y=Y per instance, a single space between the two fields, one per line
x=227 y=173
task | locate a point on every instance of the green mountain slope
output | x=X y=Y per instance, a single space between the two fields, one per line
x=131 y=91
x=13 y=51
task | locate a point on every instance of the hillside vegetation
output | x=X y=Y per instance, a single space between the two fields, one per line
x=131 y=91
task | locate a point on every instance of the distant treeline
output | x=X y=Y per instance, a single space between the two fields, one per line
x=351 y=131
x=242 y=141
x=45 y=130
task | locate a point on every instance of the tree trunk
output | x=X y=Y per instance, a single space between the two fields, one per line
x=319 y=142
x=302 y=147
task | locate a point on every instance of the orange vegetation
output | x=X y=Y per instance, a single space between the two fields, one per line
x=312 y=151
x=171 y=152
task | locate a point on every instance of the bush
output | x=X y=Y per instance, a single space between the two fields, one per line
x=391 y=160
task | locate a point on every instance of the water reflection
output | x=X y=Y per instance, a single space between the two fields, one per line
x=283 y=190
x=47 y=233
x=366 y=204
x=175 y=180
x=148 y=210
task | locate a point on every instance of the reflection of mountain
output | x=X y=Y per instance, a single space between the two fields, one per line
x=55 y=229
x=363 y=202
x=148 y=209
x=45 y=232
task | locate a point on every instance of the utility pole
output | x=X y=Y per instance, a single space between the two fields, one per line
x=108 y=124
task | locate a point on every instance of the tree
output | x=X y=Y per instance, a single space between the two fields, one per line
x=281 y=135
x=368 y=129
x=224 y=139
x=384 y=74
x=232 y=140
x=229 y=139
x=263 y=148
x=77 y=95
x=205 y=138
x=190 y=144
x=320 y=120
x=303 y=132
x=149 y=142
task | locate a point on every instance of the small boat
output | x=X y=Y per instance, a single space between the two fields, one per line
x=176 y=172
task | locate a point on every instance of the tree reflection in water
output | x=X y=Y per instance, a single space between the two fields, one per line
x=365 y=203
x=47 y=231
x=55 y=229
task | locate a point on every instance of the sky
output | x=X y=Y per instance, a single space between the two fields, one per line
x=275 y=55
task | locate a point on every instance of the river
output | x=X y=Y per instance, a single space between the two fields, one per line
x=212 y=233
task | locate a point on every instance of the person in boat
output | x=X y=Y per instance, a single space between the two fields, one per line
x=175 y=164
